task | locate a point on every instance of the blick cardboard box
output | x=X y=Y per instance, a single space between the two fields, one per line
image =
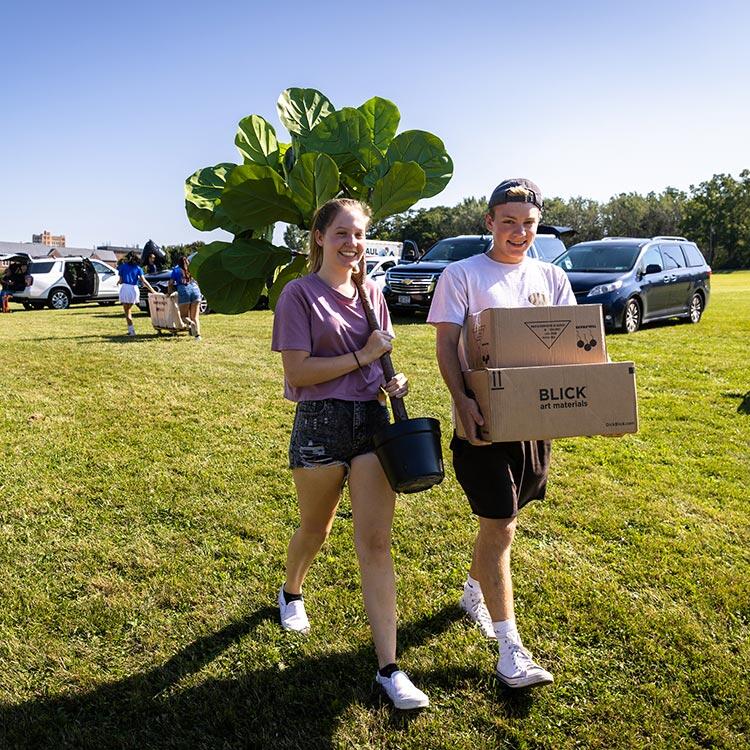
x=531 y=336
x=535 y=403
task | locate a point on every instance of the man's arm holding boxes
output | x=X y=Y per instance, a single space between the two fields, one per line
x=448 y=335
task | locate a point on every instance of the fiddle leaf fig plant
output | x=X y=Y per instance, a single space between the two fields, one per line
x=348 y=152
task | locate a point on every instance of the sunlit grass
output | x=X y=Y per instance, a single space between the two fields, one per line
x=146 y=507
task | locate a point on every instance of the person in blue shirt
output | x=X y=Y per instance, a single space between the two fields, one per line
x=188 y=295
x=130 y=274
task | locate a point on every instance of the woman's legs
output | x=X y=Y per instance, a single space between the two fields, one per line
x=373 y=503
x=194 y=316
x=185 y=313
x=127 y=309
x=318 y=494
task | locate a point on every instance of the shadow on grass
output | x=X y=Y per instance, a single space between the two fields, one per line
x=299 y=705
x=115 y=338
x=744 y=399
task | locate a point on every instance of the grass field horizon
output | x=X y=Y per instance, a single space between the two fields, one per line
x=145 y=509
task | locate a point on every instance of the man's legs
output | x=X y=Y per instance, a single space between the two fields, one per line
x=490 y=567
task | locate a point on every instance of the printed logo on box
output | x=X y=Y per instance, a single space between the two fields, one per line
x=548 y=332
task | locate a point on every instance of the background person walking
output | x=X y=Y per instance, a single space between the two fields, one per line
x=188 y=295
x=130 y=274
x=332 y=370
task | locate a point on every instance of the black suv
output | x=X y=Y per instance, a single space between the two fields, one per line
x=637 y=280
x=410 y=286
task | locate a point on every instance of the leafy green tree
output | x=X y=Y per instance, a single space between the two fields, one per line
x=353 y=152
x=296 y=238
x=175 y=251
x=717 y=215
x=581 y=214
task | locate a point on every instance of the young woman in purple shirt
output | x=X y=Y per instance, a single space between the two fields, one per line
x=332 y=370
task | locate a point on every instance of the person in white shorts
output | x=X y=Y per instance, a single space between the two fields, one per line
x=130 y=274
x=498 y=478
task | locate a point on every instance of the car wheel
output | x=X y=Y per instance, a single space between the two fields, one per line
x=203 y=307
x=27 y=305
x=631 y=319
x=58 y=299
x=696 y=308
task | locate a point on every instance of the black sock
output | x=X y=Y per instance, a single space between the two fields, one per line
x=290 y=597
x=387 y=670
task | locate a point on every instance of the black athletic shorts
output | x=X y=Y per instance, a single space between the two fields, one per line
x=499 y=479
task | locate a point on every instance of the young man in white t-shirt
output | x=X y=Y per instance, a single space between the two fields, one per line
x=498 y=478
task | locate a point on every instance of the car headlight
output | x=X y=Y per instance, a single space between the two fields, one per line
x=604 y=288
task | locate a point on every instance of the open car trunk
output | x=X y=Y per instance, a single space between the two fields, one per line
x=13 y=278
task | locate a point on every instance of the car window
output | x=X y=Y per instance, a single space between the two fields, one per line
x=388 y=264
x=41 y=267
x=456 y=248
x=599 y=257
x=693 y=256
x=101 y=268
x=549 y=248
x=673 y=258
x=652 y=257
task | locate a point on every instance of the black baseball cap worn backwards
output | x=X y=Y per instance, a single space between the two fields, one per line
x=500 y=193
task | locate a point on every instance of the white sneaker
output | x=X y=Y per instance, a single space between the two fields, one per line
x=401 y=691
x=472 y=602
x=293 y=615
x=516 y=666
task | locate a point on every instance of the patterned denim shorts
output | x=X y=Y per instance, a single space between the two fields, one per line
x=332 y=432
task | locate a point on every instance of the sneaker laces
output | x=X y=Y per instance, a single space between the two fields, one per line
x=479 y=610
x=521 y=656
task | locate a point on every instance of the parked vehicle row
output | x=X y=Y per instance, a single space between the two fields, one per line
x=636 y=280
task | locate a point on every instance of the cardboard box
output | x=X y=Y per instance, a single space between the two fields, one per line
x=533 y=336
x=533 y=403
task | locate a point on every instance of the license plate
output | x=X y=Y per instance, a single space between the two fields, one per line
x=404 y=299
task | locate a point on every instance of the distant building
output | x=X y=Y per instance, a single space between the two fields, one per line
x=45 y=238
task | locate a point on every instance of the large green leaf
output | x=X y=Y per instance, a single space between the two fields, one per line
x=256 y=141
x=254 y=259
x=302 y=109
x=233 y=275
x=382 y=118
x=345 y=136
x=428 y=151
x=256 y=196
x=296 y=269
x=203 y=254
x=314 y=179
x=225 y=292
x=399 y=189
x=203 y=192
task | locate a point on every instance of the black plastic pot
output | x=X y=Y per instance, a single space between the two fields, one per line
x=409 y=449
x=410 y=454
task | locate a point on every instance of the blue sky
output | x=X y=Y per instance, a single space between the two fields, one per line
x=106 y=108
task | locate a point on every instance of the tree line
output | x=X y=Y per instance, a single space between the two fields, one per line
x=715 y=214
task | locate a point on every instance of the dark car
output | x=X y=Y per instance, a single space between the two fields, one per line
x=410 y=286
x=638 y=280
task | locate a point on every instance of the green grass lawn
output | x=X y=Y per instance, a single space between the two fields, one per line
x=145 y=508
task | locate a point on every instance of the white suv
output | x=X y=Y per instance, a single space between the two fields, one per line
x=58 y=282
